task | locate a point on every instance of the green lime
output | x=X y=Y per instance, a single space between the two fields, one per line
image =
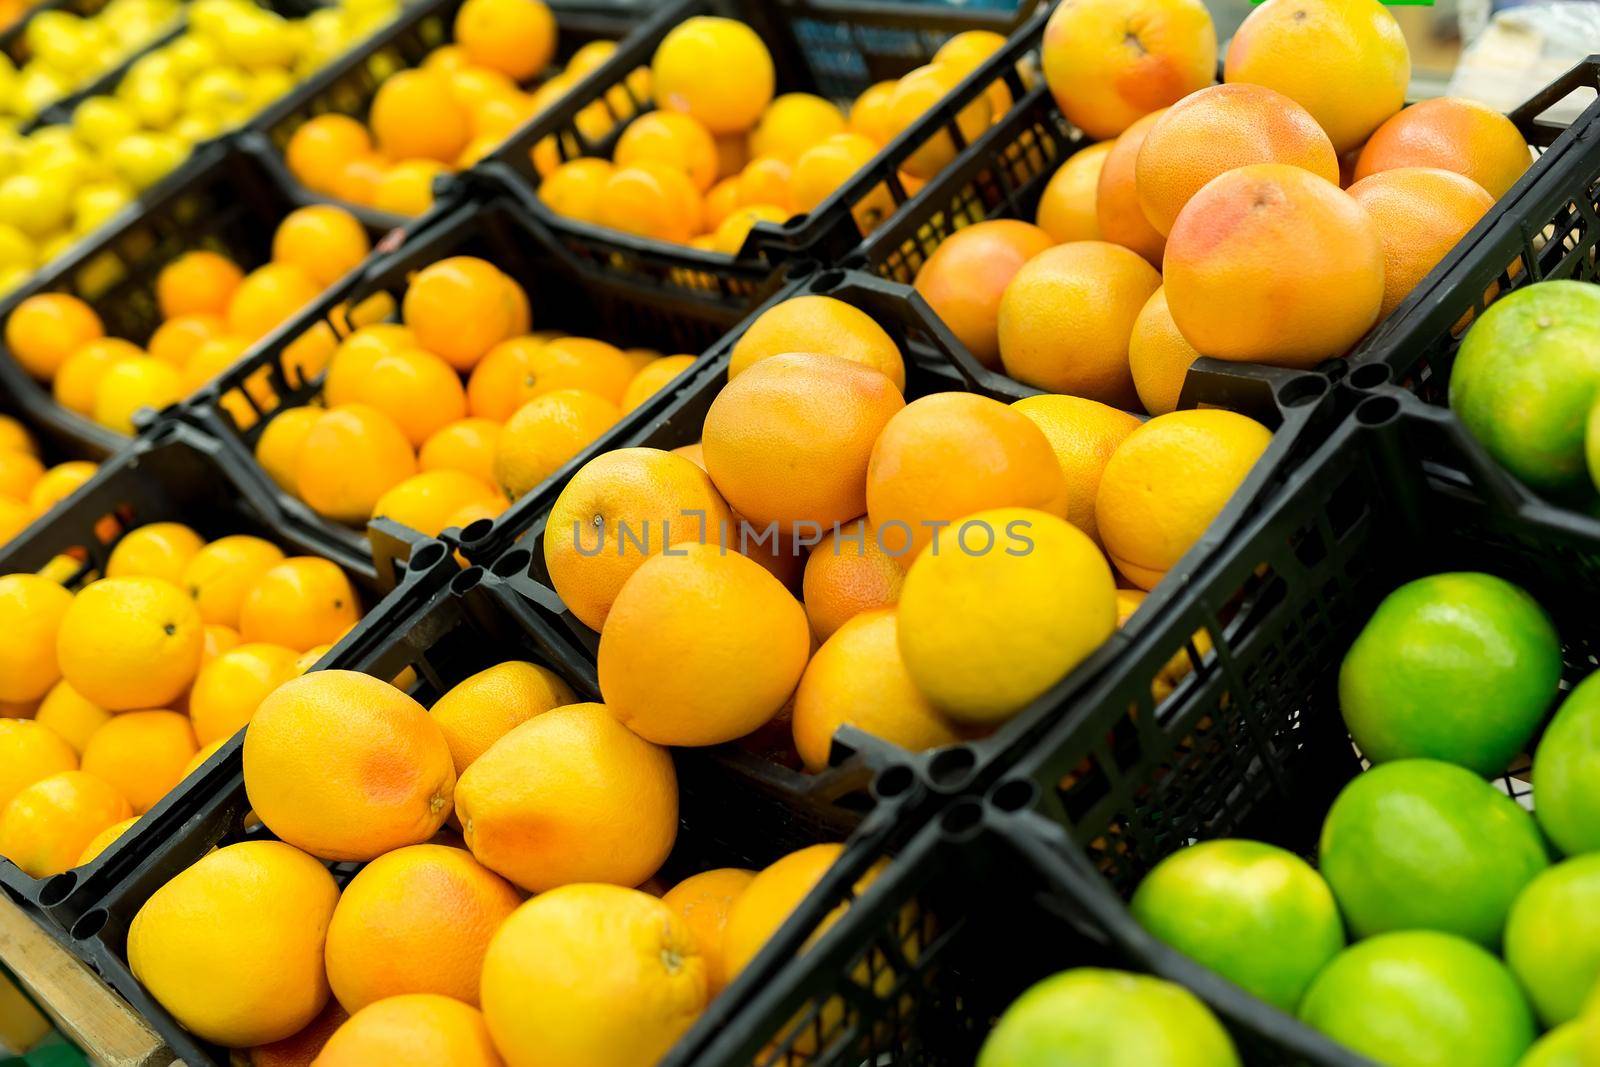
x=1566 y=772
x=1097 y=1018
x=1425 y=845
x=1526 y=377
x=1257 y=915
x=1421 y=999
x=1553 y=938
x=1456 y=667
x=1561 y=1047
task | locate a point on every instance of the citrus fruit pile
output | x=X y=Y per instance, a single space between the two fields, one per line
x=67 y=51
x=118 y=692
x=434 y=943
x=1274 y=218
x=442 y=418
x=720 y=153
x=212 y=313
x=465 y=98
x=28 y=488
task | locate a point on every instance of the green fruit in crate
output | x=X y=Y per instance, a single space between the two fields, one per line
x=1425 y=845
x=1421 y=999
x=1098 y=1018
x=1257 y=915
x=1456 y=667
x=1566 y=772
x=1553 y=938
x=1561 y=1047
x=1526 y=377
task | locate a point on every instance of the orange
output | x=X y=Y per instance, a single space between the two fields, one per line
x=1159 y=357
x=45 y=826
x=1117 y=209
x=515 y=37
x=357 y=179
x=858 y=678
x=1067 y=209
x=672 y=138
x=916 y=94
x=223 y=572
x=770 y=898
x=574 y=188
x=211 y=359
x=765 y=180
x=58 y=483
x=280 y=444
x=505 y=379
x=412 y=1030
x=465 y=445
x=19 y=473
x=474 y=86
x=355 y=356
x=733 y=152
x=967 y=274
x=650 y=199
x=142 y=754
x=15 y=516
x=346 y=766
x=300 y=603
x=948 y=455
x=1066 y=317
x=653 y=378
x=827 y=165
x=716 y=70
x=71 y=717
x=419 y=392
x=966 y=52
x=230 y=687
x=1420 y=213
x=1167 y=481
x=45 y=330
x=323 y=147
x=268 y=296
x=232 y=946
x=104 y=840
x=1450 y=133
x=302 y=1047
x=848 y=572
x=703 y=901
x=415 y=920
x=814 y=417
x=426 y=502
x=1108 y=63
x=197 y=283
x=130 y=643
x=1272 y=264
x=177 y=339
x=820 y=324
x=157 y=550
x=324 y=241
x=78 y=379
x=459 y=308
x=570 y=796
x=793 y=123
x=486 y=706
x=869 y=115
x=1344 y=61
x=1218 y=129
x=15 y=437
x=218 y=640
x=407 y=187
x=130 y=386
x=1083 y=434
x=415 y=116
x=731 y=233
x=574 y=363
x=726 y=640
x=546 y=433
x=30 y=752
x=619 y=509
x=352 y=456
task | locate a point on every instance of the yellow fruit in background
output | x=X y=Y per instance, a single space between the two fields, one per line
x=715 y=69
x=459 y=308
x=653 y=378
x=412 y=1030
x=820 y=324
x=673 y=138
x=31 y=612
x=155 y=550
x=703 y=901
x=351 y=457
x=966 y=52
x=280 y=444
x=45 y=827
x=130 y=386
x=78 y=380
x=223 y=572
x=321 y=149
x=197 y=283
x=302 y=602
x=419 y=392
x=914 y=96
x=1067 y=210
x=324 y=241
x=232 y=946
x=426 y=501
x=515 y=37
x=30 y=752
x=1159 y=357
x=45 y=330
x=598 y=975
x=36 y=204
x=481 y=709
x=58 y=483
x=268 y=297
x=415 y=920
x=573 y=189
x=71 y=717
x=546 y=433
x=346 y=766
x=19 y=473
x=1083 y=434
x=230 y=687
x=129 y=643
x=104 y=840
x=794 y=122
x=142 y=754
x=466 y=445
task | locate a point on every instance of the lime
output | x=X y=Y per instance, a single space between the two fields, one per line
x=1097 y=1018
x=1257 y=915
x=1421 y=999
x=1425 y=845
x=1456 y=667
x=1553 y=938
x=1525 y=379
x=1561 y=1047
x=1566 y=772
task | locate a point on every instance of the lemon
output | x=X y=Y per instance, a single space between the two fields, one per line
x=36 y=205
x=191 y=54
x=221 y=93
x=101 y=121
x=143 y=159
x=93 y=205
x=262 y=39
x=36 y=89
x=16 y=249
x=154 y=99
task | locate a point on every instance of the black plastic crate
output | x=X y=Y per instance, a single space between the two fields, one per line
x=444 y=637
x=1295 y=405
x=177 y=474
x=834 y=50
x=496 y=229
x=223 y=200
